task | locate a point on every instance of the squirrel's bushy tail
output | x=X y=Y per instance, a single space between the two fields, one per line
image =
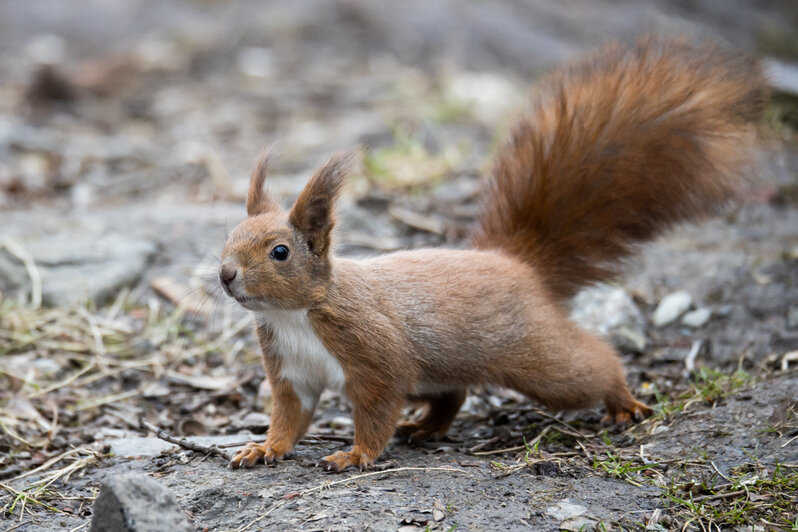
x=617 y=149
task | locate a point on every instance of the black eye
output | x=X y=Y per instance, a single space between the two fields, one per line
x=280 y=253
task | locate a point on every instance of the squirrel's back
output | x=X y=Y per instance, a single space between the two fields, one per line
x=616 y=149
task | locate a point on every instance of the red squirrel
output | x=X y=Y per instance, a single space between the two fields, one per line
x=614 y=150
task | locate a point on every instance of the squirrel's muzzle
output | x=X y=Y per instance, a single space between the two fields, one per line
x=226 y=276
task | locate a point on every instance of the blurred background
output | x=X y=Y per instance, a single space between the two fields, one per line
x=128 y=128
x=127 y=132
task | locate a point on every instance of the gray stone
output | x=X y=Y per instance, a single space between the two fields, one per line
x=137 y=503
x=659 y=429
x=629 y=339
x=671 y=307
x=566 y=510
x=136 y=447
x=74 y=270
x=611 y=312
x=579 y=524
x=697 y=318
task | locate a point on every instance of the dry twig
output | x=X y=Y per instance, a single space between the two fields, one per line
x=307 y=439
x=182 y=442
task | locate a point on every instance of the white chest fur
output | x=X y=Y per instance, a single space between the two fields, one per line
x=306 y=363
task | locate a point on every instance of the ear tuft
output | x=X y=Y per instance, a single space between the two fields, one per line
x=313 y=213
x=258 y=200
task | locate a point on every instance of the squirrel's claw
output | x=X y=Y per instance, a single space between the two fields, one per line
x=337 y=462
x=633 y=412
x=252 y=454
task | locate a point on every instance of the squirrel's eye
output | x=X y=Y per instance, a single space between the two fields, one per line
x=280 y=253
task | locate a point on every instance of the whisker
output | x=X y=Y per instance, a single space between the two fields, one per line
x=212 y=254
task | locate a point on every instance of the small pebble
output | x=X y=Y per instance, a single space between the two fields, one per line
x=697 y=318
x=671 y=307
x=256 y=62
x=341 y=421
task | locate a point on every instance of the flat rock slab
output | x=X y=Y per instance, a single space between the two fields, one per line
x=76 y=270
x=136 y=447
x=137 y=503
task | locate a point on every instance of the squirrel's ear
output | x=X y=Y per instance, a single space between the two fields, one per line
x=258 y=200
x=313 y=213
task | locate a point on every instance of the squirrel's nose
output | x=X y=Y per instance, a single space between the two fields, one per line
x=227 y=274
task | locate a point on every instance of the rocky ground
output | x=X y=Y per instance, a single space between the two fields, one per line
x=127 y=131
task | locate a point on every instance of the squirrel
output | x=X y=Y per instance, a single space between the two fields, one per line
x=613 y=150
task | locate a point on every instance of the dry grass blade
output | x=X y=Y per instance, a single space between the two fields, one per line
x=22 y=496
x=325 y=485
x=307 y=439
x=30 y=266
x=66 y=382
x=430 y=224
x=35 y=491
x=113 y=398
x=49 y=463
x=11 y=433
x=64 y=368
x=564 y=427
x=18 y=525
x=65 y=473
x=726 y=495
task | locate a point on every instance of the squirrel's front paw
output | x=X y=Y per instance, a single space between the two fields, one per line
x=253 y=453
x=341 y=460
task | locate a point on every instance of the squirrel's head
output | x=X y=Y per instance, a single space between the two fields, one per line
x=281 y=260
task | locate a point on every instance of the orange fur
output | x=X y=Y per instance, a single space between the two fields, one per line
x=614 y=151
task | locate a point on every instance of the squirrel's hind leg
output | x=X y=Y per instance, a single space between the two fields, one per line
x=440 y=411
x=584 y=372
x=623 y=409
